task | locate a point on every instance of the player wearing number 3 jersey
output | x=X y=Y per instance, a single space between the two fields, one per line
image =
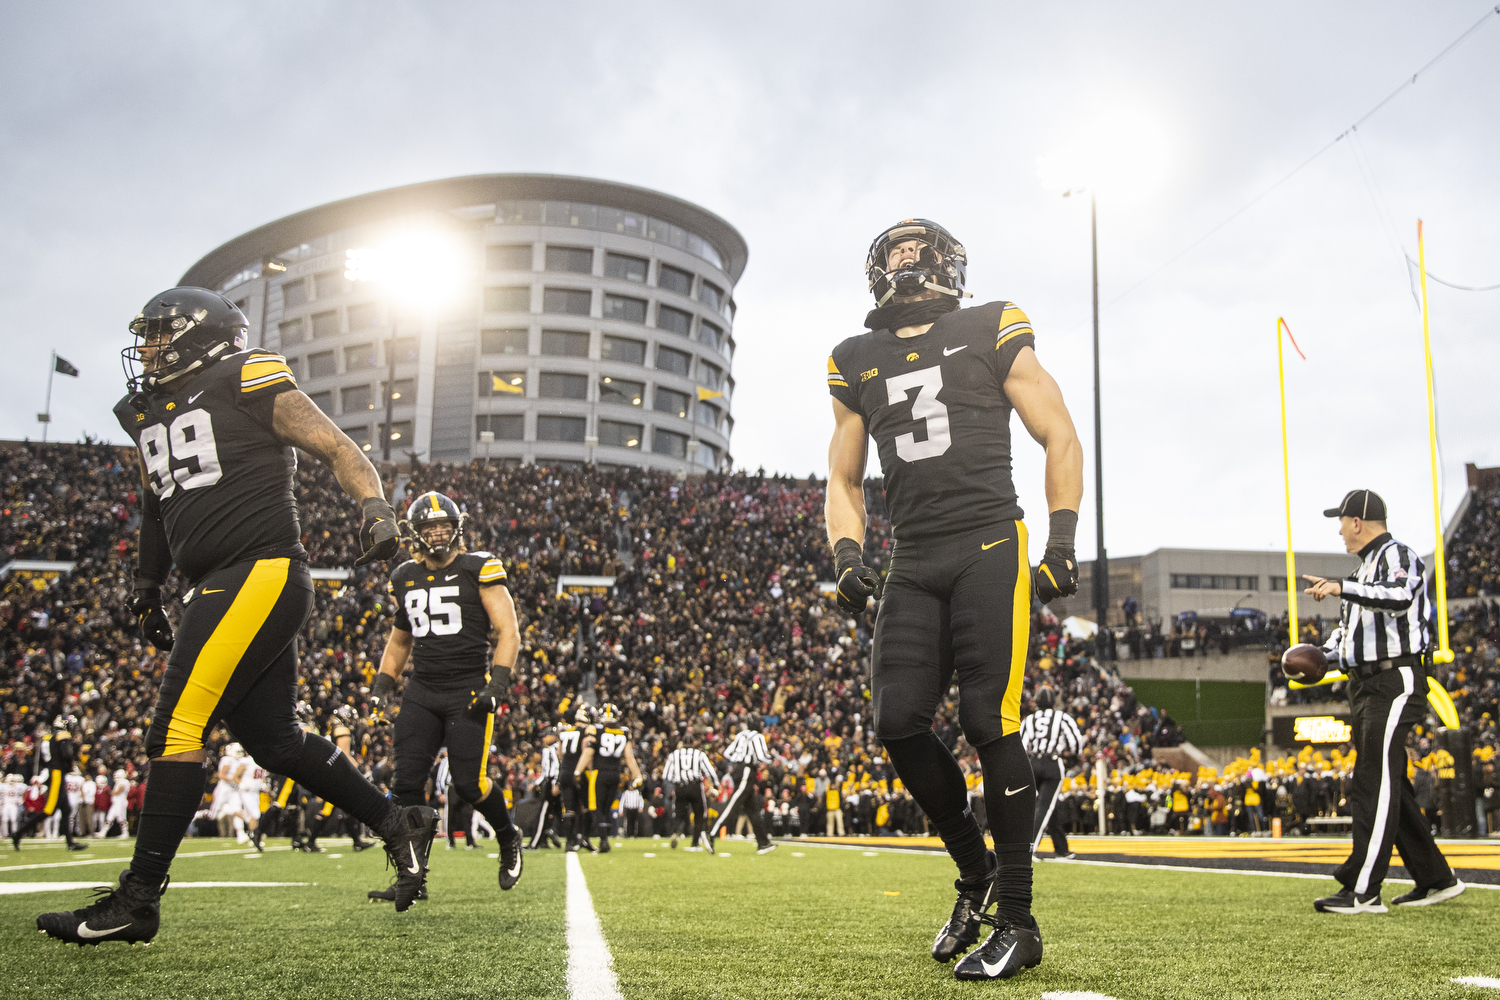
x=447 y=602
x=934 y=385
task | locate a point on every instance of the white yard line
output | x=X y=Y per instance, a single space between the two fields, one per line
x=15 y=888
x=1483 y=982
x=125 y=859
x=1075 y=995
x=591 y=973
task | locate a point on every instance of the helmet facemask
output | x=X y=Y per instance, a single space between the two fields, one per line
x=178 y=332
x=940 y=263
x=434 y=527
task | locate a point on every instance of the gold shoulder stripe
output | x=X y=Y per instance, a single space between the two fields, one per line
x=833 y=369
x=838 y=381
x=1012 y=335
x=491 y=570
x=263 y=366
x=261 y=383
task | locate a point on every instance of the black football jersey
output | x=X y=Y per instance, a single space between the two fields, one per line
x=609 y=748
x=224 y=480
x=569 y=748
x=445 y=615
x=936 y=406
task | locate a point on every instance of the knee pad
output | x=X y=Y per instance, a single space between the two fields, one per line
x=276 y=754
x=156 y=736
x=467 y=790
x=982 y=723
x=898 y=721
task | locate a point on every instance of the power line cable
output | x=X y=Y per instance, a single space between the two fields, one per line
x=1305 y=163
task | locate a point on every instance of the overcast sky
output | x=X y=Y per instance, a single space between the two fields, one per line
x=135 y=138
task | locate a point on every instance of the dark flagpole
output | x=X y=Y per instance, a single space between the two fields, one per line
x=47 y=417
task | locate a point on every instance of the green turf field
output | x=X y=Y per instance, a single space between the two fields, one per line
x=1211 y=713
x=804 y=921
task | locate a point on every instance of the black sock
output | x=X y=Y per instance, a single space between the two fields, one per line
x=1010 y=815
x=328 y=773
x=174 y=789
x=492 y=808
x=936 y=782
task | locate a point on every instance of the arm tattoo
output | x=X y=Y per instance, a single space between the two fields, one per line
x=298 y=422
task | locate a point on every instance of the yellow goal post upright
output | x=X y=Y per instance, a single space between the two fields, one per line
x=1292 y=622
x=1444 y=653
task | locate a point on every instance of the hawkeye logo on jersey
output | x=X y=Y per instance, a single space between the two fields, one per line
x=913 y=356
x=171 y=406
x=866 y=376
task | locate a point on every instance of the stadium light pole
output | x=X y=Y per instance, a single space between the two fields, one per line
x=1101 y=561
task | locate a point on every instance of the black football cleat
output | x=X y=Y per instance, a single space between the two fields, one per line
x=962 y=929
x=1431 y=894
x=1007 y=951
x=510 y=857
x=1348 y=902
x=77 y=847
x=408 y=837
x=129 y=913
x=388 y=894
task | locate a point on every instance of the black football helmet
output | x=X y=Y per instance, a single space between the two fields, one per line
x=187 y=328
x=609 y=714
x=942 y=264
x=428 y=510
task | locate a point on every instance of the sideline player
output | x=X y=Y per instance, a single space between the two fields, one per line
x=217 y=428
x=606 y=747
x=12 y=803
x=574 y=797
x=53 y=761
x=251 y=779
x=448 y=600
x=225 y=807
x=934 y=385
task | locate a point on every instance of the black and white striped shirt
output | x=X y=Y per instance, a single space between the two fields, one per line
x=1385 y=606
x=686 y=765
x=551 y=768
x=749 y=747
x=1048 y=731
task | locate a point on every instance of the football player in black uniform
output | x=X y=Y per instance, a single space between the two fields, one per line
x=217 y=427
x=447 y=602
x=606 y=748
x=934 y=385
x=574 y=795
x=54 y=760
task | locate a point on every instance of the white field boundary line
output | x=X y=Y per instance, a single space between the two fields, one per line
x=1125 y=864
x=1075 y=995
x=1483 y=982
x=17 y=888
x=591 y=973
x=124 y=858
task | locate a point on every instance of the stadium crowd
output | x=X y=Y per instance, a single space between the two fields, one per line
x=717 y=617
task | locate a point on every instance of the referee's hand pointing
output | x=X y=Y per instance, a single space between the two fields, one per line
x=1322 y=588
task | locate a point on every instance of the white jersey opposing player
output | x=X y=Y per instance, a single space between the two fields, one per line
x=226 y=809
x=119 y=803
x=12 y=804
x=251 y=779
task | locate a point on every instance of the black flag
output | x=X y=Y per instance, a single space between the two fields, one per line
x=64 y=367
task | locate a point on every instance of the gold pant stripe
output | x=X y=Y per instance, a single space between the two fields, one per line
x=222 y=653
x=484 y=757
x=1020 y=638
x=286 y=792
x=593 y=777
x=328 y=809
x=57 y=783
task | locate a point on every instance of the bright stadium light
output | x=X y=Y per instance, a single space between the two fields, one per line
x=418 y=268
x=1123 y=155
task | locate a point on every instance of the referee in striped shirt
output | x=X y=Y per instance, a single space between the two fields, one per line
x=1048 y=736
x=686 y=769
x=1382 y=643
x=548 y=790
x=745 y=753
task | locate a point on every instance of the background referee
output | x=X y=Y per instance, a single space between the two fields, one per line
x=745 y=753
x=686 y=769
x=1382 y=642
x=1048 y=735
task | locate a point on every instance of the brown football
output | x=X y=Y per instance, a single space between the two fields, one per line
x=1304 y=662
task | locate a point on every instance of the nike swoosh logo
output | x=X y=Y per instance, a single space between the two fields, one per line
x=1014 y=791
x=451 y=576
x=985 y=548
x=219 y=591
x=195 y=396
x=517 y=869
x=994 y=970
x=952 y=350
x=416 y=868
x=85 y=931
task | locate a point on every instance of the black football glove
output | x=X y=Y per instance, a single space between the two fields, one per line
x=381 y=692
x=857 y=582
x=490 y=697
x=377 y=535
x=145 y=604
x=1057 y=576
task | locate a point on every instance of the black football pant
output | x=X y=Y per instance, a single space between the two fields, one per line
x=235 y=661
x=1384 y=805
x=550 y=811
x=959 y=608
x=601 y=787
x=57 y=802
x=432 y=719
x=575 y=808
x=691 y=811
x=1048 y=772
x=744 y=798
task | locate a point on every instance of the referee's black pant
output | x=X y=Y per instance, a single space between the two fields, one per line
x=1386 y=705
x=744 y=798
x=550 y=810
x=691 y=811
x=1048 y=774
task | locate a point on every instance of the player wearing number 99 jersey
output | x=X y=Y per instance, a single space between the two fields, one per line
x=934 y=385
x=447 y=602
x=216 y=426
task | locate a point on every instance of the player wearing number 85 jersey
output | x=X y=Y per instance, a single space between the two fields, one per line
x=447 y=602
x=935 y=385
x=216 y=426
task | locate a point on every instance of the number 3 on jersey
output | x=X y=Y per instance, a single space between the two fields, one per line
x=928 y=382
x=433 y=614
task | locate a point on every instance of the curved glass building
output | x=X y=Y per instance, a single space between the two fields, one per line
x=513 y=317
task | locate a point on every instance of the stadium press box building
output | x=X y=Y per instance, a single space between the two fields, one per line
x=509 y=317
